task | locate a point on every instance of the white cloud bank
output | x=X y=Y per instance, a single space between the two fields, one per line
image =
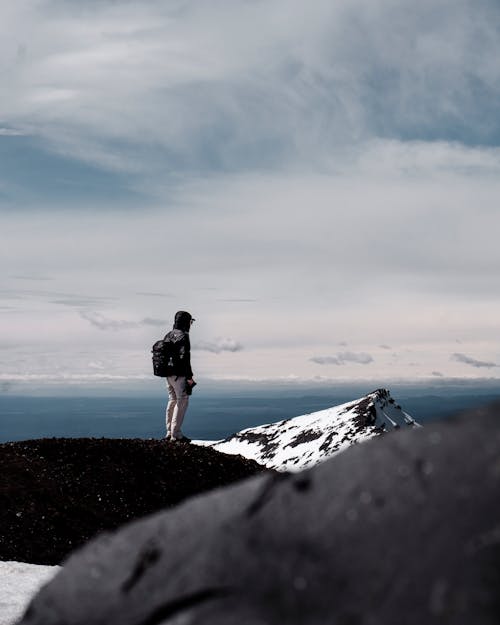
x=314 y=174
x=405 y=261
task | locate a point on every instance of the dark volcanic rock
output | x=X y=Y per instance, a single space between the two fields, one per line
x=402 y=530
x=57 y=493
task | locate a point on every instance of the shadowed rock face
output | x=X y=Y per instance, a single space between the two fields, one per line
x=402 y=530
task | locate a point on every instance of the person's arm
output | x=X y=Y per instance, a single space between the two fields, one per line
x=187 y=363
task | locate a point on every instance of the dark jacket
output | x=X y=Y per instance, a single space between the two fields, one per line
x=180 y=336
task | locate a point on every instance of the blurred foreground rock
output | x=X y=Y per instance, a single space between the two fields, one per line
x=404 y=529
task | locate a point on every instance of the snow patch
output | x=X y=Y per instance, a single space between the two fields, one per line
x=19 y=582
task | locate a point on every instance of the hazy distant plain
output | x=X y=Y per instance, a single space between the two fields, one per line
x=214 y=412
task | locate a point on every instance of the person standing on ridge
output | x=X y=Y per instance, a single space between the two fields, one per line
x=180 y=381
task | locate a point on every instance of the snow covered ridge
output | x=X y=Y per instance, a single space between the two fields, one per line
x=301 y=442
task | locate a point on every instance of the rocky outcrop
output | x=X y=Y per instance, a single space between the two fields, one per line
x=57 y=493
x=402 y=530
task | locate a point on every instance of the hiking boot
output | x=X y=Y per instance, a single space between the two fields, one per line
x=180 y=439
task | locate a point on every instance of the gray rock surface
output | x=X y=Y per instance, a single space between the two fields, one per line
x=403 y=529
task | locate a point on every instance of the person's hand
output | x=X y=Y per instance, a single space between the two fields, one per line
x=190 y=384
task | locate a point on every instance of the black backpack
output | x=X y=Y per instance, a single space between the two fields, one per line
x=167 y=356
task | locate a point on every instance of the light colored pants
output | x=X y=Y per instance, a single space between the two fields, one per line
x=178 y=401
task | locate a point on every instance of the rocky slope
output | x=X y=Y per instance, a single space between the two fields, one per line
x=302 y=442
x=57 y=493
x=400 y=530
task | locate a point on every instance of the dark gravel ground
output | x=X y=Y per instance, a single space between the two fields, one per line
x=57 y=493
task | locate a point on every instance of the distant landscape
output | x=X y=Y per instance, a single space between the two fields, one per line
x=216 y=410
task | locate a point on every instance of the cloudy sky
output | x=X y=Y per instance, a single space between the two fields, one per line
x=316 y=182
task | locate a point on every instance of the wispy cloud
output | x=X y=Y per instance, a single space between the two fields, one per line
x=437 y=374
x=218 y=345
x=206 y=99
x=153 y=294
x=472 y=361
x=148 y=321
x=237 y=300
x=97 y=365
x=342 y=358
x=34 y=277
x=75 y=301
x=106 y=323
x=55 y=297
x=11 y=132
